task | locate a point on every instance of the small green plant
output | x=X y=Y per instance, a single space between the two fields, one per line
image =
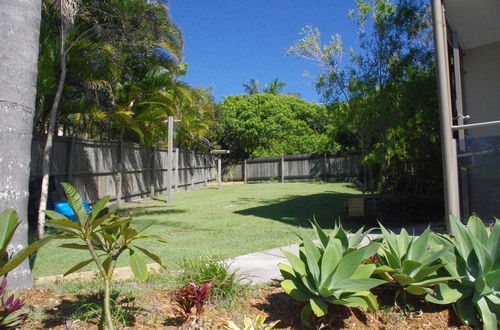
x=410 y=263
x=474 y=262
x=258 y=324
x=207 y=268
x=8 y=225
x=12 y=314
x=89 y=308
x=106 y=237
x=331 y=273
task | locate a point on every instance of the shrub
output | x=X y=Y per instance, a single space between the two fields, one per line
x=474 y=261
x=332 y=272
x=106 y=237
x=410 y=263
x=210 y=269
x=11 y=313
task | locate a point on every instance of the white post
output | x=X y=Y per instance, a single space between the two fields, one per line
x=219 y=172
x=452 y=207
x=170 y=143
x=282 y=163
x=176 y=161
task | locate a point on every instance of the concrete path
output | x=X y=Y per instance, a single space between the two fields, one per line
x=262 y=267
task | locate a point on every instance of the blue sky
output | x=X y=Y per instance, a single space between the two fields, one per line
x=228 y=42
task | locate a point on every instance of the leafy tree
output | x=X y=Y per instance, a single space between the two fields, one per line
x=271 y=125
x=385 y=96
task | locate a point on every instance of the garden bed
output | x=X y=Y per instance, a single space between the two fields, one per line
x=155 y=310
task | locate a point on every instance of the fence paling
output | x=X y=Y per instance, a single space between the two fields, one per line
x=92 y=166
x=305 y=167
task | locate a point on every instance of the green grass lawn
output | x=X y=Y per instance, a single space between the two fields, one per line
x=232 y=221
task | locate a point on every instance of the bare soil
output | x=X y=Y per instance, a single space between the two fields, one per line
x=156 y=311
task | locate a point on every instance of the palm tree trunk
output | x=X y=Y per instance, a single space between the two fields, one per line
x=19 y=34
x=50 y=135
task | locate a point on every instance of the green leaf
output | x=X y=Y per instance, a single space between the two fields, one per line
x=426 y=271
x=55 y=216
x=403 y=279
x=99 y=206
x=349 y=263
x=487 y=316
x=318 y=306
x=418 y=290
x=410 y=267
x=78 y=266
x=298 y=265
x=463 y=241
x=291 y=288
x=477 y=228
x=75 y=201
x=138 y=266
x=356 y=285
x=466 y=312
x=383 y=269
x=417 y=250
x=8 y=225
x=151 y=255
x=74 y=246
x=493 y=279
x=330 y=260
x=306 y=314
x=64 y=223
x=19 y=257
x=364 y=271
x=447 y=293
x=286 y=271
x=323 y=237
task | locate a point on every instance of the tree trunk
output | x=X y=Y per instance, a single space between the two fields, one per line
x=19 y=34
x=47 y=151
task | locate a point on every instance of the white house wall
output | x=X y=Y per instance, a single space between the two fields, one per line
x=481 y=80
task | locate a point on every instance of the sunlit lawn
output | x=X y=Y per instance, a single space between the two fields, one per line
x=234 y=220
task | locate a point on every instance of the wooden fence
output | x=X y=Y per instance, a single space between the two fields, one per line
x=293 y=168
x=95 y=168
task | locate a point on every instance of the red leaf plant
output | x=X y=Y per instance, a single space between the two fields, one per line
x=11 y=314
x=192 y=295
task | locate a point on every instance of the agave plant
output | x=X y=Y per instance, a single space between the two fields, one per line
x=330 y=273
x=11 y=313
x=106 y=237
x=410 y=263
x=475 y=263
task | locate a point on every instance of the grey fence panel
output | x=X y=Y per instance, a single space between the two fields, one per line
x=93 y=166
x=306 y=167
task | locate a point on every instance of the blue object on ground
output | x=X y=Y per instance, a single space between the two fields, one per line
x=66 y=210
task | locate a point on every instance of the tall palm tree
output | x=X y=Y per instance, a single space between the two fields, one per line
x=67 y=9
x=252 y=87
x=19 y=33
x=275 y=87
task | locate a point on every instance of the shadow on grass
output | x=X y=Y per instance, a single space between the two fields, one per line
x=147 y=211
x=87 y=308
x=295 y=210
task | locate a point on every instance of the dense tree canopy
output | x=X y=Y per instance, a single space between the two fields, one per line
x=384 y=97
x=270 y=125
x=123 y=80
